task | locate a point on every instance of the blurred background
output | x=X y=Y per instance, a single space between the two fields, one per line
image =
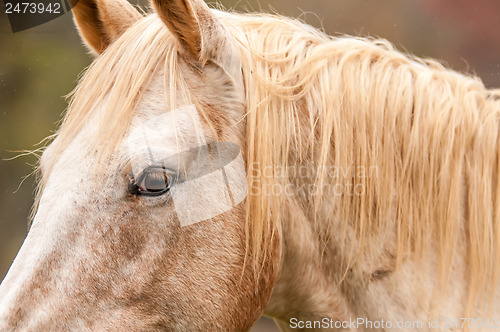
x=41 y=65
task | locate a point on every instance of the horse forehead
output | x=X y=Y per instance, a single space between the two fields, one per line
x=161 y=136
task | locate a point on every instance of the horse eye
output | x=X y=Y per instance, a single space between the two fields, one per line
x=153 y=182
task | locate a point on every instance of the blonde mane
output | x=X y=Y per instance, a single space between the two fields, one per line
x=343 y=102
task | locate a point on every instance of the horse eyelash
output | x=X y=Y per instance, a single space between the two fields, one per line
x=132 y=181
x=132 y=186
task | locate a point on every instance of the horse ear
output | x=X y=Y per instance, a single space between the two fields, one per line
x=100 y=22
x=196 y=28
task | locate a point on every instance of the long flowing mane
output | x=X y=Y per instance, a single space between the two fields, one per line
x=346 y=104
x=354 y=104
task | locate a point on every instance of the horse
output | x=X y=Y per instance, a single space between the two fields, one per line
x=213 y=167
